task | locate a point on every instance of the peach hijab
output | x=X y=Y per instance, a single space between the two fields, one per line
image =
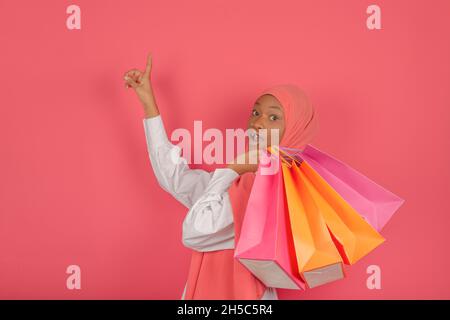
x=217 y=274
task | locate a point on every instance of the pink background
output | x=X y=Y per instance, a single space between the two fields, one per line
x=76 y=182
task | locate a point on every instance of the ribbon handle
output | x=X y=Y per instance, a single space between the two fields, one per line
x=276 y=150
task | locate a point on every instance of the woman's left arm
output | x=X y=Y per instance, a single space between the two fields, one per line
x=209 y=226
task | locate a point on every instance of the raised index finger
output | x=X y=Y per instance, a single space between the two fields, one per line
x=149 y=64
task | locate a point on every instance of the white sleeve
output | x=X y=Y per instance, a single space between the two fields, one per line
x=171 y=170
x=209 y=226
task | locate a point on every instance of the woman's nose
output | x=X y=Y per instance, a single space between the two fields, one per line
x=258 y=124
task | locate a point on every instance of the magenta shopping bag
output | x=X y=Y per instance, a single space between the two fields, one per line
x=373 y=202
x=265 y=245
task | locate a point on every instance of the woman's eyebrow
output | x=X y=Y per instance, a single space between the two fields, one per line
x=276 y=107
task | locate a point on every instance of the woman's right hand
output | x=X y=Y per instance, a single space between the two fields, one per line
x=245 y=162
x=140 y=82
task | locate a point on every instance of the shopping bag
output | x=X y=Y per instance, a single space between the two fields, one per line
x=265 y=244
x=318 y=259
x=354 y=237
x=373 y=202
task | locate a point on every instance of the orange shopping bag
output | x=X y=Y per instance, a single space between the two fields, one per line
x=353 y=235
x=318 y=259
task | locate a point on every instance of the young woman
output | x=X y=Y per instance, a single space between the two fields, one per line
x=217 y=200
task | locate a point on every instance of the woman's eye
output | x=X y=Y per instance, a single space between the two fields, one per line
x=273 y=117
x=254 y=112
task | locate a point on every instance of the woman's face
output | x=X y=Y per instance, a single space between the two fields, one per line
x=267 y=113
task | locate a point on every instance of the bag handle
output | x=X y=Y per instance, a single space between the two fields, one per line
x=284 y=154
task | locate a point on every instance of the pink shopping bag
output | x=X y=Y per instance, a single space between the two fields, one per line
x=373 y=202
x=265 y=245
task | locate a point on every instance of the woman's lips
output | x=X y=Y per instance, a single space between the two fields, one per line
x=253 y=135
x=256 y=137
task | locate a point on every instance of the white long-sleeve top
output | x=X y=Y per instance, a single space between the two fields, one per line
x=208 y=225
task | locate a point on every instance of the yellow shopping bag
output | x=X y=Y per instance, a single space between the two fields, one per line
x=318 y=259
x=353 y=236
